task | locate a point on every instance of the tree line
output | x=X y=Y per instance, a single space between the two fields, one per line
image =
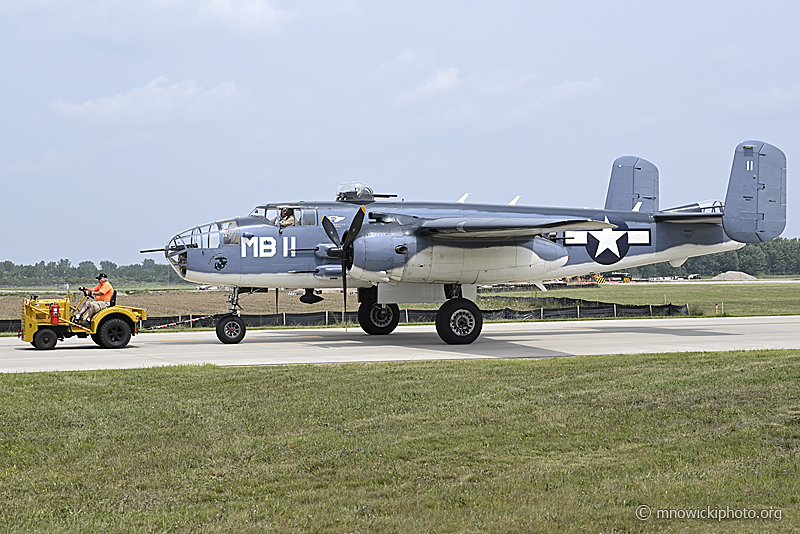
x=777 y=257
x=62 y=271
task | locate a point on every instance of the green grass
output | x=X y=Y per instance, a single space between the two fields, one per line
x=560 y=445
x=738 y=299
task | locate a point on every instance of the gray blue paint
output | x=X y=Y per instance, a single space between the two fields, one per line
x=755 y=210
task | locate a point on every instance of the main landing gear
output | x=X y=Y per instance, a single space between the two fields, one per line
x=458 y=321
x=378 y=319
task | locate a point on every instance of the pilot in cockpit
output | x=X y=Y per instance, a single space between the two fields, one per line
x=287 y=217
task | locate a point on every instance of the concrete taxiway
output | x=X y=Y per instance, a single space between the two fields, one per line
x=407 y=343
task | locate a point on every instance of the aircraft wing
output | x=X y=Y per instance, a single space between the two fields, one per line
x=472 y=228
x=689 y=217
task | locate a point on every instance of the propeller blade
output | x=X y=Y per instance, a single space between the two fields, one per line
x=344 y=293
x=355 y=227
x=330 y=229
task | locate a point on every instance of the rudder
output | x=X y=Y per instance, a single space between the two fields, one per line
x=755 y=204
x=634 y=182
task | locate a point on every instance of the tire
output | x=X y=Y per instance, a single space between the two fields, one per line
x=97 y=340
x=231 y=329
x=459 y=322
x=113 y=333
x=378 y=320
x=45 y=339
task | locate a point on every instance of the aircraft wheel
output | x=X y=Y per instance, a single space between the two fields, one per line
x=114 y=333
x=378 y=320
x=459 y=322
x=45 y=339
x=230 y=329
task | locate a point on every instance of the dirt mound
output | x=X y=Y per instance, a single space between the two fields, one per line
x=734 y=275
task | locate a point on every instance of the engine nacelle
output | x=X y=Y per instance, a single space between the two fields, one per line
x=393 y=257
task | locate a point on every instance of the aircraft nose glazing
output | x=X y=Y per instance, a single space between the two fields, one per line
x=207 y=236
x=175 y=253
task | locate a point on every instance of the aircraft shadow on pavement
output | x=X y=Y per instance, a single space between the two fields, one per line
x=486 y=346
x=490 y=344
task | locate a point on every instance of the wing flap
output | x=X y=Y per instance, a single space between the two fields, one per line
x=472 y=228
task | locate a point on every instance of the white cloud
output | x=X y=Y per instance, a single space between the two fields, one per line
x=564 y=92
x=730 y=50
x=412 y=55
x=410 y=59
x=656 y=120
x=444 y=81
x=127 y=20
x=571 y=90
x=772 y=99
x=506 y=81
x=156 y=100
x=247 y=15
x=52 y=161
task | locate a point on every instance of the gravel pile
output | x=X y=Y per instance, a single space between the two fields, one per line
x=734 y=275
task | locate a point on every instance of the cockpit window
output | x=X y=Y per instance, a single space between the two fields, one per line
x=229 y=230
x=207 y=236
x=309 y=217
x=271 y=214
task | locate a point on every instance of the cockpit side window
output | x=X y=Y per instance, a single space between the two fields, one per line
x=229 y=231
x=206 y=236
x=309 y=217
x=272 y=215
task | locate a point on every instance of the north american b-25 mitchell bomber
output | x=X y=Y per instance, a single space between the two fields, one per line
x=412 y=252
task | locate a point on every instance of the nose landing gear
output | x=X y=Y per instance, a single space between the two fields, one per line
x=230 y=327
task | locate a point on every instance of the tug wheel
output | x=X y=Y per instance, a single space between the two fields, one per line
x=114 y=333
x=45 y=339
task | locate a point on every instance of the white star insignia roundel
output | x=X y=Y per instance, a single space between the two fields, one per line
x=607 y=240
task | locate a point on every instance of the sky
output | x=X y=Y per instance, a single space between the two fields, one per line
x=125 y=123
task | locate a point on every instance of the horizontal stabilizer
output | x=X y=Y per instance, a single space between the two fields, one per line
x=689 y=218
x=457 y=227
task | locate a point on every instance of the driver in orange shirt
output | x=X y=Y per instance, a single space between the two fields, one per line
x=102 y=293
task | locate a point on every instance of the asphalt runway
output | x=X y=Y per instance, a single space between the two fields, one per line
x=408 y=343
